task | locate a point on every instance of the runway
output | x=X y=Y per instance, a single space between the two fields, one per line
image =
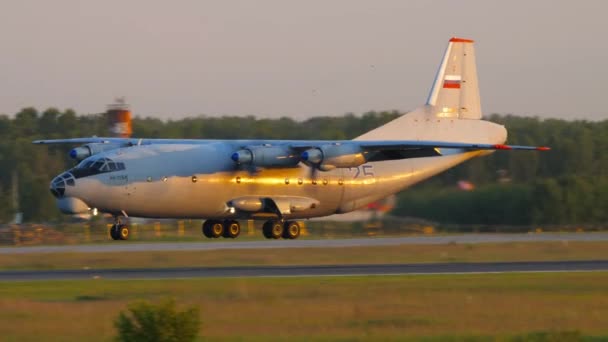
x=309 y=271
x=208 y=245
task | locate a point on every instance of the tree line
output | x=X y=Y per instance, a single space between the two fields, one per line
x=565 y=185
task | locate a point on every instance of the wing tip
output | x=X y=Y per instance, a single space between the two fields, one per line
x=502 y=147
x=461 y=40
x=509 y=147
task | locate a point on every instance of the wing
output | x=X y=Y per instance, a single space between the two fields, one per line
x=324 y=154
x=379 y=145
x=384 y=145
x=120 y=141
x=81 y=141
x=417 y=149
x=374 y=145
x=403 y=149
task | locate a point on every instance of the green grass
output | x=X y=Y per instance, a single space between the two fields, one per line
x=480 y=307
x=486 y=252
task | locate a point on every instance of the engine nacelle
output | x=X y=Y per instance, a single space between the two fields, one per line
x=266 y=156
x=329 y=157
x=85 y=151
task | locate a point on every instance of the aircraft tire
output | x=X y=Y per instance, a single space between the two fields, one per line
x=232 y=229
x=291 y=230
x=123 y=232
x=206 y=229
x=267 y=228
x=217 y=229
x=114 y=232
x=276 y=230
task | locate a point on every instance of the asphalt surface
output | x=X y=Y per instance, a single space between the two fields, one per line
x=207 y=245
x=308 y=271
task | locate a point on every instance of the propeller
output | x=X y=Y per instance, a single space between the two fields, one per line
x=313 y=158
x=243 y=161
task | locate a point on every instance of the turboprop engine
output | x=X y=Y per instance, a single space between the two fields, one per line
x=85 y=151
x=266 y=156
x=329 y=157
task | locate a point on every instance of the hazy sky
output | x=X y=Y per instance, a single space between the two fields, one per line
x=298 y=58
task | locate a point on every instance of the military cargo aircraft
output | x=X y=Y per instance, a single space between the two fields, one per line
x=281 y=181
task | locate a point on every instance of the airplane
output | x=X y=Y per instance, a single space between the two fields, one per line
x=281 y=181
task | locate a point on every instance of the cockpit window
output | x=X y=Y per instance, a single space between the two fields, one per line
x=98 y=165
x=85 y=164
x=89 y=167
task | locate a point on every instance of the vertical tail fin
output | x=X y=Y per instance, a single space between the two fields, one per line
x=455 y=92
x=454 y=98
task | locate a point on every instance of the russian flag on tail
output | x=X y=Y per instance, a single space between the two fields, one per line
x=452 y=81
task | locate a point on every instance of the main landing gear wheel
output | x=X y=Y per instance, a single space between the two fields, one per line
x=119 y=232
x=272 y=229
x=232 y=229
x=291 y=230
x=267 y=228
x=114 y=232
x=213 y=229
x=207 y=229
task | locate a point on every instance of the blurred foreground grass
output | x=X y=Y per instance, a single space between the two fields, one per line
x=480 y=307
x=452 y=252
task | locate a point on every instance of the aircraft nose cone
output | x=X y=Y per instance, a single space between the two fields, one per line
x=60 y=183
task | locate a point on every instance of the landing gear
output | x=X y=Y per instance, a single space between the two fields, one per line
x=119 y=231
x=207 y=228
x=114 y=232
x=232 y=229
x=276 y=229
x=291 y=230
x=272 y=229
x=215 y=228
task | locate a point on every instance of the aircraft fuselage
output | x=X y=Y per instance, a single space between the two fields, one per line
x=199 y=181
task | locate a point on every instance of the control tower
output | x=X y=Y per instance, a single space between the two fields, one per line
x=119 y=118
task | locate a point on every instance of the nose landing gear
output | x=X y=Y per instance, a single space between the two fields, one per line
x=119 y=232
